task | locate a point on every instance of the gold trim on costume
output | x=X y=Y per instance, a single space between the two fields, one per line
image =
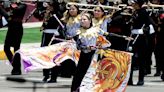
x=88 y=33
x=98 y=22
x=73 y=20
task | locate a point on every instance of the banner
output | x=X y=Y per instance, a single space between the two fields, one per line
x=49 y=56
x=109 y=74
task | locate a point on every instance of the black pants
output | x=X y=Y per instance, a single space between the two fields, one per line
x=66 y=69
x=158 y=58
x=150 y=48
x=13 y=39
x=46 y=38
x=140 y=54
x=82 y=67
x=159 y=52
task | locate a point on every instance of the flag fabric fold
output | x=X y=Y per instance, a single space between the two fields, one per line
x=49 y=56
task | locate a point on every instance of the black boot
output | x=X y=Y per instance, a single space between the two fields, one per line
x=162 y=77
x=53 y=78
x=16 y=72
x=54 y=74
x=157 y=74
x=52 y=81
x=46 y=74
x=45 y=78
x=130 y=82
x=16 y=65
x=140 y=83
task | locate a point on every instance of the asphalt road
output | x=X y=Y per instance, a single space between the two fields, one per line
x=31 y=82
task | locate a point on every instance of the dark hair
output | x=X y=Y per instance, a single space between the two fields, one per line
x=101 y=8
x=77 y=7
x=67 y=14
x=55 y=4
x=139 y=2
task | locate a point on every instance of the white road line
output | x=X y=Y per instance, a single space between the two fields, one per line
x=69 y=80
x=154 y=84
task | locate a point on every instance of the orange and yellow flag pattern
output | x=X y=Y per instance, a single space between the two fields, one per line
x=109 y=73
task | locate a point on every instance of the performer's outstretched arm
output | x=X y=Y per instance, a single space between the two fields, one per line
x=3 y=13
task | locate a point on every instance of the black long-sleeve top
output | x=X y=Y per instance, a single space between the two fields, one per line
x=17 y=13
x=140 y=18
x=51 y=23
x=3 y=12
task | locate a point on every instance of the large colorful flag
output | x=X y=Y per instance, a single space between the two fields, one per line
x=49 y=56
x=109 y=70
x=108 y=74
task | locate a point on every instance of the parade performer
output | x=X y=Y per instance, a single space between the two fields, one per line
x=71 y=20
x=157 y=25
x=140 y=28
x=100 y=19
x=15 y=29
x=86 y=42
x=160 y=45
x=112 y=24
x=50 y=29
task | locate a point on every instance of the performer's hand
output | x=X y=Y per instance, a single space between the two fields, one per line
x=149 y=4
x=58 y=64
x=89 y=48
x=41 y=28
x=69 y=38
x=92 y=47
x=14 y=5
x=129 y=38
x=159 y=28
x=106 y=33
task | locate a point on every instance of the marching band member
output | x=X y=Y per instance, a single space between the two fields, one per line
x=160 y=44
x=140 y=29
x=50 y=29
x=156 y=17
x=72 y=21
x=15 y=30
x=100 y=19
x=151 y=39
x=86 y=42
x=50 y=24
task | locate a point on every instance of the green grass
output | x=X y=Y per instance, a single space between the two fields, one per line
x=31 y=35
